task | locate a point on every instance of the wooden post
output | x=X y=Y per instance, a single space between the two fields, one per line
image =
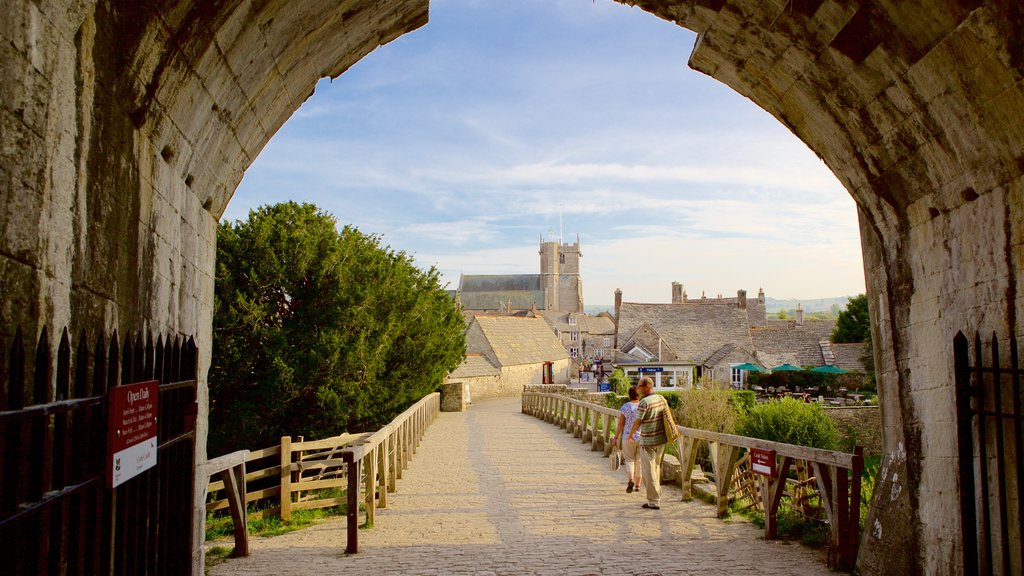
x=352 y=512
x=370 y=471
x=382 y=465
x=393 y=459
x=286 y=477
x=771 y=496
x=234 y=485
x=687 y=459
x=725 y=465
x=607 y=435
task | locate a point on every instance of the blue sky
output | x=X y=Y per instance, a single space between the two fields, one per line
x=497 y=123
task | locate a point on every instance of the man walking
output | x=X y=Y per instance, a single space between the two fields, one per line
x=650 y=421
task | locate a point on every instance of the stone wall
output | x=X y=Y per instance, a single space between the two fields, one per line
x=484 y=387
x=865 y=423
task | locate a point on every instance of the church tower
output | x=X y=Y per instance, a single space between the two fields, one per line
x=560 y=275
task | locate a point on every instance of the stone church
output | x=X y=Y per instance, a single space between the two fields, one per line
x=558 y=286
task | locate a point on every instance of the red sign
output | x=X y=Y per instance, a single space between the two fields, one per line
x=131 y=431
x=763 y=461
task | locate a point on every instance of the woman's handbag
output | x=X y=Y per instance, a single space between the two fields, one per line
x=615 y=459
x=671 y=430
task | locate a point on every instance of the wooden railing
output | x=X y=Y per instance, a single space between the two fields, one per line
x=296 y=474
x=837 y=474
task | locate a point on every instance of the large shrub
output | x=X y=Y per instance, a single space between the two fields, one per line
x=707 y=409
x=791 y=422
x=318 y=330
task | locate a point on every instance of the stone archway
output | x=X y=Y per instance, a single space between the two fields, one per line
x=126 y=126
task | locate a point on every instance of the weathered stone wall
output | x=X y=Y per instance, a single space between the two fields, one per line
x=917 y=112
x=531 y=374
x=484 y=387
x=866 y=424
x=125 y=128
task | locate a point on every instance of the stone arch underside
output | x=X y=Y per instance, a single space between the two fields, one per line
x=128 y=125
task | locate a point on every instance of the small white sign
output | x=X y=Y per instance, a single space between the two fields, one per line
x=132 y=461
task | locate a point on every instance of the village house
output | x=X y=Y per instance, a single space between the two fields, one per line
x=505 y=353
x=688 y=340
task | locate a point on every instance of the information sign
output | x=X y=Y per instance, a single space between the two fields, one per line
x=131 y=431
x=649 y=369
x=763 y=461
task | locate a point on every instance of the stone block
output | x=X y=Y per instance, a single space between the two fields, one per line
x=453 y=397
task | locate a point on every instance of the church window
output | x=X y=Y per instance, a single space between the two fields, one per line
x=561 y=258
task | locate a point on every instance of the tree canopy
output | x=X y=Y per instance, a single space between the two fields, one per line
x=318 y=332
x=854 y=323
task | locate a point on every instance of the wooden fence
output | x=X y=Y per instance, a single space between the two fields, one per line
x=837 y=474
x=349 y=469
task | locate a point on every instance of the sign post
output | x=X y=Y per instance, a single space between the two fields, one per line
x=763 y=462
x=131 y=431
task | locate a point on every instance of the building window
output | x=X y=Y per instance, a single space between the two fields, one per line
x=574 y=336
x=574 y=352
x=607 y=342
x=572 y=320
x=561 y=258
x=599 y=353
x=736 y=378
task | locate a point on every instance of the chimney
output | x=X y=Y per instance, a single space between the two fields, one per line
x=618 y=306
x=799 y=315
x=760 y=295
x=677 y=293
x=741 y=299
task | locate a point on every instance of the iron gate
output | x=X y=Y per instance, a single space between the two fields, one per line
x=989 y=432
x=56 y=515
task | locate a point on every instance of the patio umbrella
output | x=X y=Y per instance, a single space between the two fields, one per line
x=829 y=370
x=786 y=368
x=748 y=367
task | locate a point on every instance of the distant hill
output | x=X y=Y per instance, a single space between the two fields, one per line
x=598 y=308
x=772 y=305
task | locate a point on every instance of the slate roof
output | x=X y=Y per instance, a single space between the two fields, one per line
x=514 y=340
x=694 y=332
x=848 y=356
x=756 y=312
x=782 y=341
x=600 y=325
x=494 y=291
x=475 y=365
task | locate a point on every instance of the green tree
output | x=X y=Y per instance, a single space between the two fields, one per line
x=854 y=323
x=317 y=331
x=619 y=382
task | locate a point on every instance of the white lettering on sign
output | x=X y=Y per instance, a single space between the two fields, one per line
x=142 y=394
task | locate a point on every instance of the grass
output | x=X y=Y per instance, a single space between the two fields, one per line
x=220 y=525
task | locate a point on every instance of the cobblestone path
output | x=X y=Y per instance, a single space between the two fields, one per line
x=493 y=491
